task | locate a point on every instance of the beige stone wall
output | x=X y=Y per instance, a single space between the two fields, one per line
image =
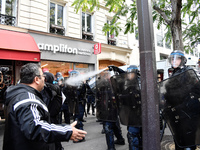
x=73 y=21
x=33 y=14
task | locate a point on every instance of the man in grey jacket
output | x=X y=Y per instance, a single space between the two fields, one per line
x=28 y=125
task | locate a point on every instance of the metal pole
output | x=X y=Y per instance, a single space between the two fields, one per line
x=149 y=90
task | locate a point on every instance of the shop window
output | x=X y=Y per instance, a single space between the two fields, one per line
x=87 y=27
x=111 y=37
x=63 y=67
x=81 y=65
x=6 y=80
x=82 y=68
x=57 y=66
x=8 y=12
x=56 y=19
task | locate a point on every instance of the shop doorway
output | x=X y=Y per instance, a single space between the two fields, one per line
x=105 y=63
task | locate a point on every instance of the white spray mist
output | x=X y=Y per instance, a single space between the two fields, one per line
x=76 y=81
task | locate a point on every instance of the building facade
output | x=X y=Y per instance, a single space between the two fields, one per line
x=59 y=18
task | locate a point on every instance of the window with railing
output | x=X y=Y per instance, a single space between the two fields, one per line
x=111 y=36
x=56 y=19
x=87 y=26
x=8 y=12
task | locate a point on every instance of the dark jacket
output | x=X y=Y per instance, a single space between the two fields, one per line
x=180 y=70
x=89 y=90
x=52 y=97
x=27 y=121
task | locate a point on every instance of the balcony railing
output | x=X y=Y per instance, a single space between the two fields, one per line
x=87 y=35
x=57 y=29
x=7 y=20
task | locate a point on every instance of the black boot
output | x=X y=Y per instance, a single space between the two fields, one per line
x=120 y=142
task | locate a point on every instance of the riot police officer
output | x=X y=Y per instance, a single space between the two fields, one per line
x=58 y=77
x=79 y=90
x=178 y=60
x=134 y=134
x=106 y=110
x=127 y=91
x=68 y=106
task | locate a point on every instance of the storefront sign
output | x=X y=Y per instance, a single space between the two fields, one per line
x=62 y=48
x=97 y=48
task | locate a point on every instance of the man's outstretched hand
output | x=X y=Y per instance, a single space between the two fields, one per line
x=77 y=134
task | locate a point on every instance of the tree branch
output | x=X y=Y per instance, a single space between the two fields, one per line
x=162 y=13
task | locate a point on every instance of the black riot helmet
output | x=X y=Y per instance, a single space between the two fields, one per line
x=177 y=59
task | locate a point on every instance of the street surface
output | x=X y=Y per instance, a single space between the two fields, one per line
x=96 y=141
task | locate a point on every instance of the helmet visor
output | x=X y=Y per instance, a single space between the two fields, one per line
x=176 y=60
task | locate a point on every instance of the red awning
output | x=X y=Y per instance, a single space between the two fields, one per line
x=18 y=46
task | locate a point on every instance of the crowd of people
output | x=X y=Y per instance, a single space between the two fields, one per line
x=42 y=110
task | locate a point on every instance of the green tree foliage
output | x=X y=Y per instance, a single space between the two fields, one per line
x=192 y=36
x=171 y=13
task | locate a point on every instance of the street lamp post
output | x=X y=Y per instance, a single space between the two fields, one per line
x=149 y=90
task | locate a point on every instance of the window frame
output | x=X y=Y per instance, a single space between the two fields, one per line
x=56 y=13
x=91 y=22
x=3 y=8
x=85 y=34
x=111 y=40
x=54 y=27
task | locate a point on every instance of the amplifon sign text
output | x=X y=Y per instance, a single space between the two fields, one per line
x=62 y=48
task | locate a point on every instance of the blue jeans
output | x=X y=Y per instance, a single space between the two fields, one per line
x=133 y=136
x=90 y=101
x=111 y=129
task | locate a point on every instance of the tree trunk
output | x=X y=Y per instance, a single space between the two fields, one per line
x=177 y=36
x=175 y=24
